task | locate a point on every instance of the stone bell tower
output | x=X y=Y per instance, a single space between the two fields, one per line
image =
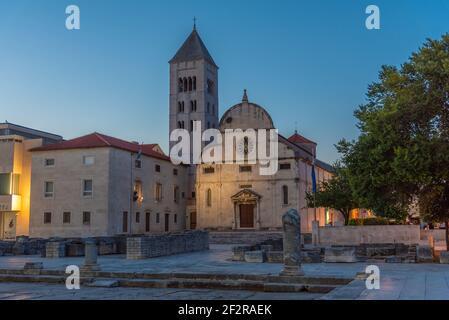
x=193 y=91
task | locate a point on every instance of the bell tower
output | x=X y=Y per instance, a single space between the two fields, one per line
x=193 y=86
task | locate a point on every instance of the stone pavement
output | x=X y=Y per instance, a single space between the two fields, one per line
x=397 y=281
x=31 y=291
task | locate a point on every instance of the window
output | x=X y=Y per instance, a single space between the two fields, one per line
x=48 y=189
x=208 y=170
x=157 y=168
x=175 y=218
x=158 y=218
x=137 y=217
x=191 y=125
x=194 y=83
x=158 y=192
x=285 y=194
x=284 y=166
x=193 y=195
x=137 y=192
x=87 y=188
x=176 y=194
x=246 y=186
x=175 y=172
x=88 y=160
x=9 y=184
x=190 y=84
x=49 y=162
x=180 y=84
x=210 y=86
x=66 y=217
x=138 y=163
x=209 y=197
x=86 y=218
x=245 y=168
x=47 y=217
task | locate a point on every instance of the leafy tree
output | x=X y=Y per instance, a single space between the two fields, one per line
x=334 y=193
x=403 y=150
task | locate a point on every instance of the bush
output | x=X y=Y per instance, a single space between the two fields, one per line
x=374 y=221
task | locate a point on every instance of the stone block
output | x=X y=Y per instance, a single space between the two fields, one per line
x=444 y=257
x=380 y=251
x=266 y=247
x=75 y=249
x=340 y=254
x=275 y=256
x=55 y=249
x=257 y=256
x=425 y=254
x=33 y=266
x=239 y=252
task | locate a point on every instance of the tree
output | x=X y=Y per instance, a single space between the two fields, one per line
x=334 y=193
x=403 y=149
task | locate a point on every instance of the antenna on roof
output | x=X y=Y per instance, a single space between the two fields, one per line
x=194 y=23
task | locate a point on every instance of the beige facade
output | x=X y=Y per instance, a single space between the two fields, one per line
x=236 y=196
x=122 y=197
x=15 y=176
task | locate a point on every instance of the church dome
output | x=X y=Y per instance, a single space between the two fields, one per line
x=246 y=115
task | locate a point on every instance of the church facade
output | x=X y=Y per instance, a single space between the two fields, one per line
x=235 y=196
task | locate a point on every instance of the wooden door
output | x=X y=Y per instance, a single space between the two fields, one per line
x=125 y=222
x=193 y=220
x=246 y=216
x=147 y=221
x=167 y=222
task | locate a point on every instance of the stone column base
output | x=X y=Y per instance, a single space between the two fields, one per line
x=291 y=271
x=91 y=267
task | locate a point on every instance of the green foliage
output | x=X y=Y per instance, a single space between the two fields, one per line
x=374 y=221
x=403 y=149
x=335 y=194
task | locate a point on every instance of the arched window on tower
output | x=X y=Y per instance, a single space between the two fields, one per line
x=179 y=106
x=194 y=105
x=191 y=125
x=191 y=106
x=180 y=85
x=179 y=124
x=182 y=106
x=208 y=125
x=185 y=84
x=190 y=84
x=194 y=83
x=285 y=194
x=209 y=197
x=213 y=109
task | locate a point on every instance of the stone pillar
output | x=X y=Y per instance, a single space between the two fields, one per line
x=291 y=222
x=315 y=232
x=91 y=255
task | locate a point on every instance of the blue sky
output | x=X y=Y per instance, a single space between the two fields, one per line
x=307 y=62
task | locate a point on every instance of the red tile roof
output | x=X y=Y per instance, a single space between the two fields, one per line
x=297 y=138
x=98 y=140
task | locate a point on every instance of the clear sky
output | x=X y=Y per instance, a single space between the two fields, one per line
x=307 y=62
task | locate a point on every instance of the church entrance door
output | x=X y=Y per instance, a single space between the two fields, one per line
x=247 y=216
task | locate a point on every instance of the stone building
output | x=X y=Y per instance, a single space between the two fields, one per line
x=232 y=196
x=98 y=185
x=15 y=176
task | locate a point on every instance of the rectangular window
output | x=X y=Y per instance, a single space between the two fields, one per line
x=86 y=218
x=245 y=168
x=157 y=168
x=138 y=163
x=48 y=189
x=284 y=166
x=175 y=218
x=47 y=217
x=88 y=160
x=137 y=217
x=158 y=192
x=246 y=186
x=193 y=195
x=176 y=194
x=175 y=172
x=158 y=217
x=49 y=162
x=208 y=170
x=5 y=184
x=87 y=188
x=66 y=217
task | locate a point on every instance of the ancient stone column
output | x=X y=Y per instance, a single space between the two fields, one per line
x=292 y=242
x=91 y=255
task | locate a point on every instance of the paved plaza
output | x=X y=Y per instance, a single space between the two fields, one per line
x=397 y=281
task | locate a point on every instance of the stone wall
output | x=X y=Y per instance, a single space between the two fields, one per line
x=241 y=237
x=356 y=235
x=167 y=244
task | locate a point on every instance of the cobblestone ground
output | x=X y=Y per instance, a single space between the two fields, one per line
x=26 y=291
